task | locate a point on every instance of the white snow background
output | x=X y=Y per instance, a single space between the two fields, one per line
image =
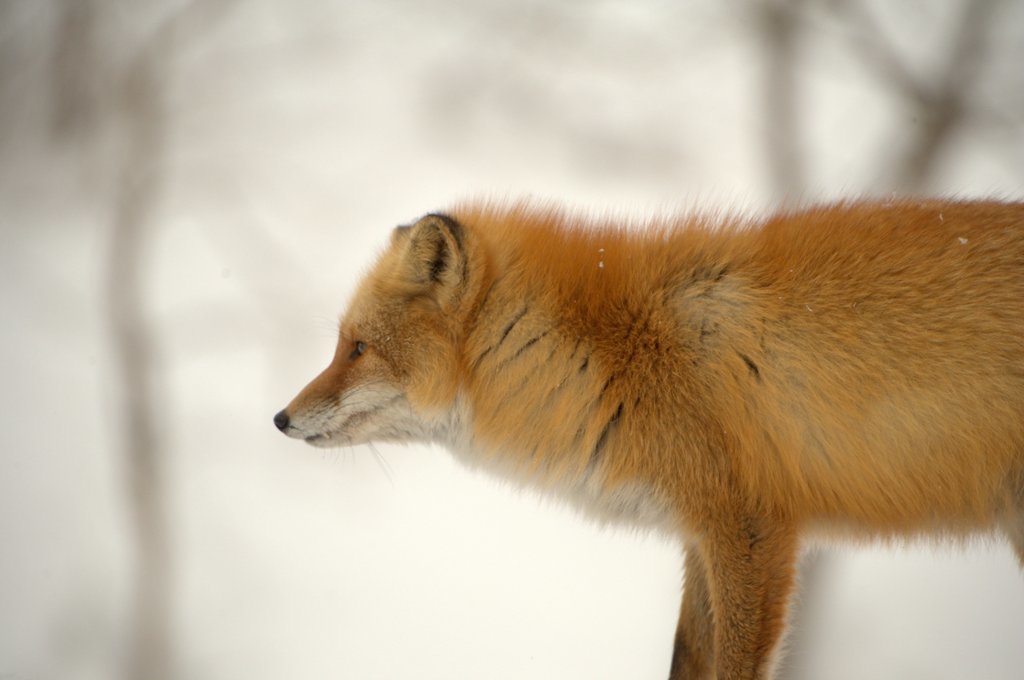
x=295 y=136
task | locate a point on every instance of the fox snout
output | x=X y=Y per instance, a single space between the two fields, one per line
x=283 y=422
x=298 y=428
x=359 y=414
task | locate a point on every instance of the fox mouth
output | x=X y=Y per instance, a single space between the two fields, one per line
x=340 y=435
x=322 y=439
x=327 y=439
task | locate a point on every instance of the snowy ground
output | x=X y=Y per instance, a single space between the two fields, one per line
x=298 y=135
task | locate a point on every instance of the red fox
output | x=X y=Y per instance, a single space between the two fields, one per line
x=854 y=369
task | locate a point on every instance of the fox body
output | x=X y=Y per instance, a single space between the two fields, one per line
x=853 y=369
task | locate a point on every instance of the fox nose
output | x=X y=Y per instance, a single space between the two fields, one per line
x=281 y=420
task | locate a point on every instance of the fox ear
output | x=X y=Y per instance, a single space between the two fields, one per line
x=435 y=257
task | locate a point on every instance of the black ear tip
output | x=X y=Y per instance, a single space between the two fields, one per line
x=281 y=420
x=451 y=224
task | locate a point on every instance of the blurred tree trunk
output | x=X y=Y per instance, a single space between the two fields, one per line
x=105 y=107
x=143 y=120
x=76 y=68
x=142 y=117
x=780 y=37
x=93 y=92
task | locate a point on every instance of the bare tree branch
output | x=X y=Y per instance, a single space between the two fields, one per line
x=949 y=105
x=941 y=107
x=876 y=51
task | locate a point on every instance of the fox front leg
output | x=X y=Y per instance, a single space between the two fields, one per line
x=737 y=604
x=693 y=655
x=751 y=570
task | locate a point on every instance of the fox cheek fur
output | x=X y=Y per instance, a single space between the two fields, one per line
x=856 y=369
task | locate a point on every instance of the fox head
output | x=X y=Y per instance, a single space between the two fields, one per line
x=395 y=372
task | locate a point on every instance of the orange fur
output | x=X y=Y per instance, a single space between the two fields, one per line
x=853 y=368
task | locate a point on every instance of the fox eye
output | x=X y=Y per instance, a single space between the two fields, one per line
x=358 y=350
